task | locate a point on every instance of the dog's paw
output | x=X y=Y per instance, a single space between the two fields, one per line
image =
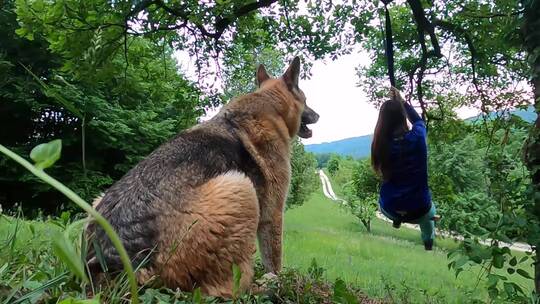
x=263 y=285
x=269 y=277
x=259 y=290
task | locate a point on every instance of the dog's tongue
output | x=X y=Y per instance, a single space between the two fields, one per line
x=305 y=132
x=308 y=132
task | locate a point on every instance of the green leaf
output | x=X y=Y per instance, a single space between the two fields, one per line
x=509 y=288
x=3 y=268
x=492 y=280
x=45 y=155
x=237 y=276
x=39 y=290
x=65 y=217
x=156 y=296
x=493 y=292
x=452 y=254
x=342 y=295
x=50 y=93
x=513 y=261
x=524 y=274
x=78 y=301
x=523 y=259
x=197 y=296
x=498 y=261
x=99 y=255
x=461 y=262
x=24 y=32
x=65 y=250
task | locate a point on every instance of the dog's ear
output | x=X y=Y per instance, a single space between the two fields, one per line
x=261 y=75
x=293 y=72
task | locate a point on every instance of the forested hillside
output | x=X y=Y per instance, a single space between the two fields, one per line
x=359 y=147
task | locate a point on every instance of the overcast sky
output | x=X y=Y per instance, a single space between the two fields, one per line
x=334 y=92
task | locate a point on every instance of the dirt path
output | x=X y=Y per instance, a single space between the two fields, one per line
x=327 y=186
x=329 y=193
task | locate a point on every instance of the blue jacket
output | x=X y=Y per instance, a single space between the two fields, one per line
x=406 y=194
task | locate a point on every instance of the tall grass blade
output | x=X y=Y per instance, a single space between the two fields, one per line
x=65 y=250
x=47 y=285
x=237 y=276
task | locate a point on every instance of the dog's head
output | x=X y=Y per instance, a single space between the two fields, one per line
x=296 y=112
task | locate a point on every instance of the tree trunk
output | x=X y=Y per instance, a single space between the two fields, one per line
x=531 y=32
x=533 y=163
x=537 y=272
x=83 y=140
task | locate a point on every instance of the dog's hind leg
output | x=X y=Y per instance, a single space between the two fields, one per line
x=216 y=230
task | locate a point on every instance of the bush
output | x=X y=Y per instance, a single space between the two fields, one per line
x=108 y=110
x=333 y=164
x=304 y=177
x=362 y=192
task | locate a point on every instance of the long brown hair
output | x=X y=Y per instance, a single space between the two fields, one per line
x=392 y=119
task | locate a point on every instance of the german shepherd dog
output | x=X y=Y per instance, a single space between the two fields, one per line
x=195 y=206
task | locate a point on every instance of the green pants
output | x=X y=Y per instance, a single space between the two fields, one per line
x=426 y=223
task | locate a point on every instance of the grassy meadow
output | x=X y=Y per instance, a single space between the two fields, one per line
x=387 y=264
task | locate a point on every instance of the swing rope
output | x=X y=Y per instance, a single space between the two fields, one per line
x=389 y=45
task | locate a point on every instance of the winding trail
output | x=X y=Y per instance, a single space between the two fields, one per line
x=329 y=193
x=327 y=187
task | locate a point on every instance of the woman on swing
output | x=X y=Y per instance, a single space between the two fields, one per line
x=399 y=155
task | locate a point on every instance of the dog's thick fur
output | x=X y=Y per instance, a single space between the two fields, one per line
x=196 y=205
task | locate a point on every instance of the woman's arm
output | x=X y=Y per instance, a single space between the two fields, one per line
x=412 y=115
x=419 y=127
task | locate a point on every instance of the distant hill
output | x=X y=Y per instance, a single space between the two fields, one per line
x=359 y=147
x=527 y=115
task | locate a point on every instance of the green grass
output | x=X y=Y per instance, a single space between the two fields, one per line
x=18 y=233
x=385 y=263
x=31 y=273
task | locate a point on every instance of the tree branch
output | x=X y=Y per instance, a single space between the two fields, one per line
x=161 y=29
x=424 y=26
x=460 y=32
x=494 y=15
x=221 y=24
x=224 y=22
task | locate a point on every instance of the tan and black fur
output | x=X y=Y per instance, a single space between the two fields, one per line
x=197 y=204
